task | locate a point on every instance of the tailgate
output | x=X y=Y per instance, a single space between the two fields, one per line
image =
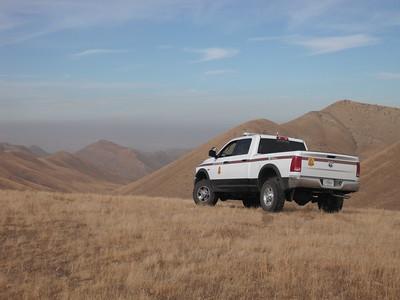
x=329 y=165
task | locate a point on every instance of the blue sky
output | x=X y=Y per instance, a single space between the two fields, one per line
x=180 y=61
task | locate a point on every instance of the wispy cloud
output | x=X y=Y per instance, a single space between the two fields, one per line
x=90 y=52
x=26 y=19
x=209 y=54
x=299 y=12
x=33 y=19
x=323 y=45
x=219 y=72
x=388 y=76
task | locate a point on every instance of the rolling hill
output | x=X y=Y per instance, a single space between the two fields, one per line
x=58 y=172
x=33 y=150
x=99 y=167
x=123 y=164
x=39 y=152
x=343 y=127
x=379 y=180
x=349 y=127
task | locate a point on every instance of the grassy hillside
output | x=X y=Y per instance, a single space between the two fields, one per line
x=58 y=172
x=122 y=163
x=379 y=180
x=90 y=246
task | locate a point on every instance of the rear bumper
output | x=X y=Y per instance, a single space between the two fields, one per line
x=316 y=183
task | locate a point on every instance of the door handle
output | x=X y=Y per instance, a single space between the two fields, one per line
x=225 y=162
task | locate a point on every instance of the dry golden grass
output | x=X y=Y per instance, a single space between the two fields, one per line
x=91 y=246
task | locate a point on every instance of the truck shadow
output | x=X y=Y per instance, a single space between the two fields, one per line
x=291 y=208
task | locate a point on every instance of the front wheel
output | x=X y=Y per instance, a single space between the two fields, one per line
x=272 y=197
x=203 y=193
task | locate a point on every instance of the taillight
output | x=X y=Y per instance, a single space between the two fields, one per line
x=295 y=165
x=358 y=169
x=282 y=138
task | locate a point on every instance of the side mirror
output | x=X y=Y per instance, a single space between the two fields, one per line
x=212 y=152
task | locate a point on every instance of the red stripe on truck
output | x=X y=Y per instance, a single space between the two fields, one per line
x=278 y=157
x=245 y=161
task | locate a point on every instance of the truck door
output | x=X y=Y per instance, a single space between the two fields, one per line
x=232 y=166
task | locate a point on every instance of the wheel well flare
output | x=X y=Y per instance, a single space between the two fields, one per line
x=200 y=175
x=266 y=173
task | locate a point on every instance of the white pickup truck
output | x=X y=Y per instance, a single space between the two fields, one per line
x=268 y=170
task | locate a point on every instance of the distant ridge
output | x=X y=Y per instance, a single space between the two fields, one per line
x=124 y=164
x=59 y=172
x=120 y=162
x=99 y=167
x=39 y=152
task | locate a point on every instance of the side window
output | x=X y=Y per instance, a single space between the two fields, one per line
x=228 y=150
x=239 y=147
x=242 y=147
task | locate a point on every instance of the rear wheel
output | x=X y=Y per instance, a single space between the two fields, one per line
x=272 y=197
x=203 y=193
x=330 y=204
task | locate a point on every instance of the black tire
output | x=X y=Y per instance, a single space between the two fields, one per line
x=251 y=203
x=272 y=197
x=330 y=204
x=203 y=193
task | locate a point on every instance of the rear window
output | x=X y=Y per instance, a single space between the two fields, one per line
x=274 y=146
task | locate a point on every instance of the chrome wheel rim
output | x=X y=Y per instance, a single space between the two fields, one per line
x=268 y=196
x=203 y=194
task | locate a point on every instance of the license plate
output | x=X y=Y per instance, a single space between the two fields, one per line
x=328 y=182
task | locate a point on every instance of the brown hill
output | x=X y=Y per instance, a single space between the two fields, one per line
x=59 y=172
x=123 y=164
x=349 y=127
x=32 y=168
x=373 y=127
x=5 y=147
x=158 y=159
x=323 y=132
x=380 y=174
x=344 y=127
x=67 y=160
x=118 y=161
x=37 y=151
